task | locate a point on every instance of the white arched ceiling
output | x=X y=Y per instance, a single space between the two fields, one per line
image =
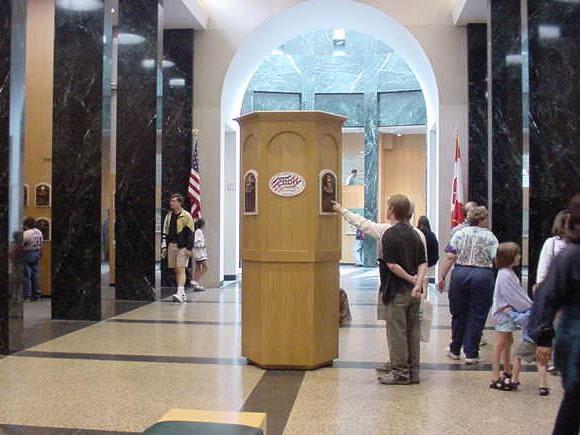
x=315 y=15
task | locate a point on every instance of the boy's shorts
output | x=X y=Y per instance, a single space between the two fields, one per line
x=527 y=351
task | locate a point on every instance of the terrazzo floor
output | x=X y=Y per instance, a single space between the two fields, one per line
x=122 y=374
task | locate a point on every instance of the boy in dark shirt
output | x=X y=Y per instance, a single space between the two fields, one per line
x=403 y=271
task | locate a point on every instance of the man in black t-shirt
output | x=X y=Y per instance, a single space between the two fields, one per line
x=403 y=270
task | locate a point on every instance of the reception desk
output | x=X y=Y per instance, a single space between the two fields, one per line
x=290 y=238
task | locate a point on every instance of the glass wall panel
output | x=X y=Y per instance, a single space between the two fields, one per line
x=264 y=101
x=349 y=105
x=402 y=108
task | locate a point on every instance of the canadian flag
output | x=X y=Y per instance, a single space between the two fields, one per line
x=457 y=199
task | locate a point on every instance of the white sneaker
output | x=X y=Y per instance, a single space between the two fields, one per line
x=452 y=356
x=473 y=361
x=194 y=284
x=177 y=298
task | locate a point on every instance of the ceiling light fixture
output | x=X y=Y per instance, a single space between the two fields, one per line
x=150 y=63
x=339 y=35
x=177 y=83
x=549 y=31
x=80 y=5
x=129 y=39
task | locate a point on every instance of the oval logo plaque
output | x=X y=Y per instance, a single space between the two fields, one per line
x=287 y=184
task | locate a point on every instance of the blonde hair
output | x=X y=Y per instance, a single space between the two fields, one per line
x=476 y=215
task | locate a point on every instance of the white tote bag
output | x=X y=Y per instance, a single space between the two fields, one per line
x=426 y=318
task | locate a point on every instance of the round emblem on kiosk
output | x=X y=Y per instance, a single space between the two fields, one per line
x=287 y=184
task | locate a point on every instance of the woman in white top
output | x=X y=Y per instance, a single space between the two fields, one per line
x=552 y=246
x=199 y=255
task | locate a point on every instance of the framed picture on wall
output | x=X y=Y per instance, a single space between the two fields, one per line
x=42 y=195
x=251 y=193
x=328 y=191
x=25 y=195
x=43 y=224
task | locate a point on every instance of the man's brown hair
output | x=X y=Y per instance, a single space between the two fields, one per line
x=178 y=197
x=506 y=254
x=401 y=206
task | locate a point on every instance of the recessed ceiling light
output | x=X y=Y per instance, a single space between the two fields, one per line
x=130 y=39
x=150 y=63
x=549 y=31
x=177 y=83
x=80 y=5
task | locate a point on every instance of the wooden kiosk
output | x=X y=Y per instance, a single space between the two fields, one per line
x=290 y=238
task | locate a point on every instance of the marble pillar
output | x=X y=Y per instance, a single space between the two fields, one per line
x=177 y=121
x=76 y=164
x=137 y=117
x=5 y=291
x=12 y=76
x=506 y=123
x=371 y=173
x=477 y=82
x=554 y=65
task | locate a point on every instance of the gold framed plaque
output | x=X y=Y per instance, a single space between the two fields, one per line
x=42 y=195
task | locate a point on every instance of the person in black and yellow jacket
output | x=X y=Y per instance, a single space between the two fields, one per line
x=177 y=242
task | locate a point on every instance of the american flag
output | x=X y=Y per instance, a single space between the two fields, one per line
x=194 y=186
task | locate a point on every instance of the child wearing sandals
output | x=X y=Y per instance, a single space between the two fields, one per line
x=526 y=351
x=199 y=255
x=508 y=293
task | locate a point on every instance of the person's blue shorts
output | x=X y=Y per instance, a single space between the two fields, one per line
x=506 y=326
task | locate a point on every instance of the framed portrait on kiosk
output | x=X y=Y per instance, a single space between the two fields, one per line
x=328 y=191
x=251 y=193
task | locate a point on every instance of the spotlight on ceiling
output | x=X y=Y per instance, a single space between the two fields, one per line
x=129 y=39
x=278 y=51
x=80 y=5
x=339 y=35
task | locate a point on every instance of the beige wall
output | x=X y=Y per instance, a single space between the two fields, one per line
x=403 y=169
x=231 y=21
x=38 y=118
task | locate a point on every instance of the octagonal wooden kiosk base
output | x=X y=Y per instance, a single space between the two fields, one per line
x=290 y=248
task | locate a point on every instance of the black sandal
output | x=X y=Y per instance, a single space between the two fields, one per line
x=544 y=391
x=500 y=384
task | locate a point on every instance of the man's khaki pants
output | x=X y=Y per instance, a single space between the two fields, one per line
x=404 y=334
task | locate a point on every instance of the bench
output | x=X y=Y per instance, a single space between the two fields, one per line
x=197 y=422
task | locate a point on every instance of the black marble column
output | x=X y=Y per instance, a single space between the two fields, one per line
x=177 y=120
x=5 y=33
x=136 y=149
x=506 y=125
x=554 y=65
x=12 y=76
x=76 y=164
x=477 y=91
